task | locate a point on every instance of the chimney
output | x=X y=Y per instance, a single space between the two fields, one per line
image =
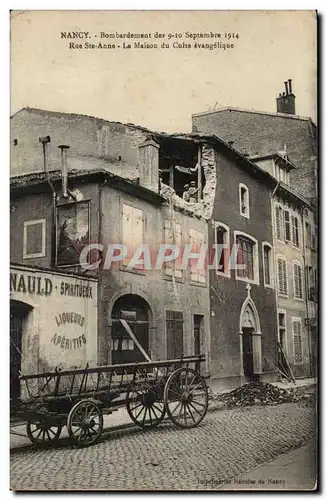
x=45 y=141
x=286 y=101
x=149 y=164
x=64 y=170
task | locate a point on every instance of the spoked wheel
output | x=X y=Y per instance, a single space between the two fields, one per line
x=186 y=398
x=85 y=423
x=41 y=433
x=145 y=406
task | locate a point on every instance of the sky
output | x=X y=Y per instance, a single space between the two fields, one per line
x=160 y=89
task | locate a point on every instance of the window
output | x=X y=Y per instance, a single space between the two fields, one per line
x=247 y=257
x=267 y=263
x=282 y=275
x=174 y=328
x=308 y=234
x=173 y=236
x=282 y=329
x=196 y=240
x=133 y=226
x=244 y=201
x=295 y=230
x=34 y=239
x=297 y=340
x=313 y=239
x=222 y=242
x=279 y=222
x=123 y=344
x=297 y=281
x=312 y=283
x=287 y=225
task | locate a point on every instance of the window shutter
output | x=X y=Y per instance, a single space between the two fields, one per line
x=137 y=232
x=194 y=248
x=287 y=225
x=278 y=216
x=168 y=241
x=128 y=232
x=313 y=239
x=174 y=328
x=178 y=243
x=282 y=276
x=297 y=342
x=295 y=230
x=132 y=231
x=297 y=276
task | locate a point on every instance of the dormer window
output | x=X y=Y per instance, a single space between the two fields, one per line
x=244 y=201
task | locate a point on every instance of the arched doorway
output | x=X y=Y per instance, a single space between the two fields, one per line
x=250 y=336
x=18 y=315
x=130 y=313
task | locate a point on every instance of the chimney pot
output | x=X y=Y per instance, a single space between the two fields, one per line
x=286 y=101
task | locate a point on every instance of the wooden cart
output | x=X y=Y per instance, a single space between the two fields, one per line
x=80 y=398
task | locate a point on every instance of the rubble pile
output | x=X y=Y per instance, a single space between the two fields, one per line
x=258 y=393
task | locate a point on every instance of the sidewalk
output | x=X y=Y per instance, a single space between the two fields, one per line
x=295 y=470
x=307 y=383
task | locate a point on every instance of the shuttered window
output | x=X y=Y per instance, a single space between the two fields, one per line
x=267 y=264
x=308 y=234
x=295 y=230
x=196 y=240
x=132 y=232
x=287 y=225
x=282 y=276
x=297 y=281
x=173 y=236
x=313 y=239
x=279 y=222
x=297 y=340
x=174 y=329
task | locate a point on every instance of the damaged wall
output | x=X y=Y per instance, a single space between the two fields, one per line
x=203 y=209
x=94 y=143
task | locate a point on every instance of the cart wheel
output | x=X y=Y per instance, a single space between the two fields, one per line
x=41 y=433
x=85 y=422
x=145 y=406
x=186 y=398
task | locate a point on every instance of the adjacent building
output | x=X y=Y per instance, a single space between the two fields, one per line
x=285 y=146
x=260 y=133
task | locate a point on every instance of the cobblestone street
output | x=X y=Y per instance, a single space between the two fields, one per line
x=227 y=444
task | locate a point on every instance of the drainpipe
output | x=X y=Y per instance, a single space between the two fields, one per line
x=45 y=141
x=306 y=282
x=274 y=259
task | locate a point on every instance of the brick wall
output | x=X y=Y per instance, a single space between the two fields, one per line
x=260 y=134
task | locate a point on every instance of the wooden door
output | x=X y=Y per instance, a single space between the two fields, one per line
x=248 y=352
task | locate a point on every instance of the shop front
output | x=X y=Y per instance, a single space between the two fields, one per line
x=53 y=322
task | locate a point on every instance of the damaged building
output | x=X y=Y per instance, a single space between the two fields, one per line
x=79 y=180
